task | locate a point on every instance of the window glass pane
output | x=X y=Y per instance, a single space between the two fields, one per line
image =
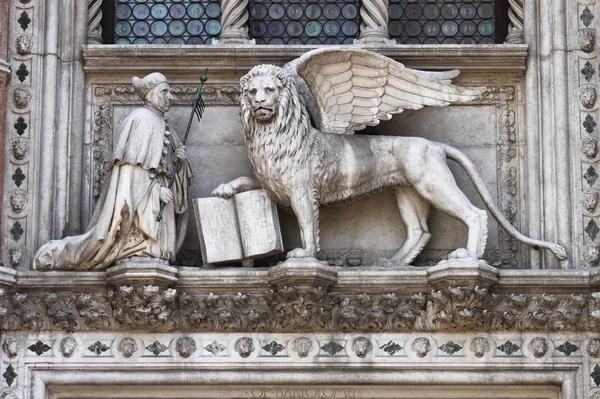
x=166 y=21
x=304 y=22
x=442 y=21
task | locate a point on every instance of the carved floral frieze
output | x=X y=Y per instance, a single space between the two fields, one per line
x=287 y=310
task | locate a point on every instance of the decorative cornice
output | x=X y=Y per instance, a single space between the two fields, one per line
x=288 y=310
x=120 y=62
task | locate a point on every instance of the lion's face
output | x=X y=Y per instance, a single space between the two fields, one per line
x=263 y=95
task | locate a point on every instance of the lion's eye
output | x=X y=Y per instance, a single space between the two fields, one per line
x=269 y=89
x=252 y=91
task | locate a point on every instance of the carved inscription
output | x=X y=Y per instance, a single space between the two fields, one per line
x=303 y=393
x=217 y=229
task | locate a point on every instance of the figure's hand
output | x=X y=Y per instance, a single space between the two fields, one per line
x=166 y=195
x=224 y=190
x=181 y=153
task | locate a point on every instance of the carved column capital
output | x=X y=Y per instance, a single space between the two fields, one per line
x=234 y=23
x=515 y=27
x=375 y=19
x=94 y=20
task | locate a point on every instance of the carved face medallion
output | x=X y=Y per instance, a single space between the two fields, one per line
x=593 y=347
x=479 y=346
x=587 y=40
x=361 y=346
x=538 y=347
x=421 y=347
x=244 y=346
x=68 y=346
x=127 y=347
x=185 y=346
x=19 y=147
x=591 y=255
x=23 y=44
x=21 y=97
x=302 y=346
x=18 y=200
x=589 y=147
x=587 y=96
x=15 y=254
x=11 y=347
x=589 y=199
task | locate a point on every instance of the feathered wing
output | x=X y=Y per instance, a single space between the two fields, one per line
x=353 y=88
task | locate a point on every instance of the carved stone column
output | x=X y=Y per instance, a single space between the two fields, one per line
x=234 y=23
x=94 y=19
x=375 y=19
x=515 y=27
x=4 y=73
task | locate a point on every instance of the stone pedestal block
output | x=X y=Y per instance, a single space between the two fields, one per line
x=467 y=273
x=302 y=273
x=7 y=277
x=137 y=271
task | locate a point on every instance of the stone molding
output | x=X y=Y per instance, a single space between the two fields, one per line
x=496 y=63
x=225 y=365
x=150 y=308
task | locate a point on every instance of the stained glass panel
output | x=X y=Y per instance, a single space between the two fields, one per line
x=442 y=21
x=304 y=22
x=166 y=21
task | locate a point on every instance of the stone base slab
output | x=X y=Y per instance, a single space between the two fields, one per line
x=138 y=271
x=302 y=273
x=466 y=272
x=8 y=277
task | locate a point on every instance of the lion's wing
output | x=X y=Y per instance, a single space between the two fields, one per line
x=356 y=88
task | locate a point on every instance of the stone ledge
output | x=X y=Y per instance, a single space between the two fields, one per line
x=360 y=279
x=120 y=62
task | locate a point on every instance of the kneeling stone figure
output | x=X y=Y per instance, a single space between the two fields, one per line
x=124 y=223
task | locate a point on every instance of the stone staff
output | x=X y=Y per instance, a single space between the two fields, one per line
x=197 y=109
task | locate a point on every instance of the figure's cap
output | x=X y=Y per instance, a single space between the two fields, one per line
x=147 y=83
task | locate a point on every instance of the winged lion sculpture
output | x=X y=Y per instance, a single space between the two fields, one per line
x=299 y=123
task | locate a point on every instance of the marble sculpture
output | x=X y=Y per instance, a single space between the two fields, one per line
x=299 y=122
x=124 y=223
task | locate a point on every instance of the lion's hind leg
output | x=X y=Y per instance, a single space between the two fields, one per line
x=414 y=211
x=438 y=186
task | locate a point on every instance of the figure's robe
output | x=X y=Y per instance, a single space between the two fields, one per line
x=124 y=221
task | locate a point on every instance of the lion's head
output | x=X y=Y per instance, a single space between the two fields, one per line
x=264 y=89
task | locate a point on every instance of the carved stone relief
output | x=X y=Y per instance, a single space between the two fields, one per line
x=587 y=96
x=362 y=346
x=185 y=346
x=421 y=347
x=591 y=254
x=11 y=347
x=538 y=347
x=587 y=40
x=19 y=147
x=244 y=346
x=23 y=44
x=67 y=347
x=302 y=346
x=21 y=97
x=18 y=200
x=589 y=148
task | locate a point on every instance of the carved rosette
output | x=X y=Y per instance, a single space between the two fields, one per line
x=375 y=19
x=94 y=35
x=234 y=23
x=516 y=16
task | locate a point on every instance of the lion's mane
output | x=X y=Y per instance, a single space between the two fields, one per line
x=280 y=147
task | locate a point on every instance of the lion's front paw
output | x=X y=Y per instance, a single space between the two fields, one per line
x=462 y=253
x=224 y=190
x=299 y=253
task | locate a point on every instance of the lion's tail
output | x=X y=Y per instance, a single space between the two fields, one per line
x=457 y=156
